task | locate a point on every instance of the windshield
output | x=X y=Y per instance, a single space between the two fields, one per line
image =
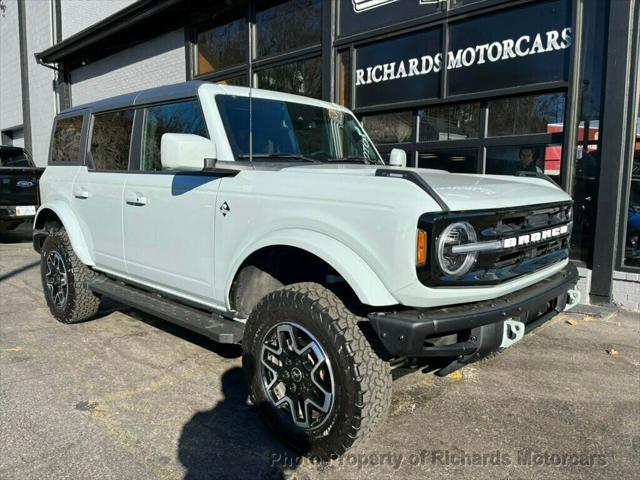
x=13 y=157
x=287 y=129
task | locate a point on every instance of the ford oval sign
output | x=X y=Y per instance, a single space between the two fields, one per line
x=25 y=184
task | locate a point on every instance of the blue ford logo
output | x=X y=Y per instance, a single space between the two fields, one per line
x=25 y=184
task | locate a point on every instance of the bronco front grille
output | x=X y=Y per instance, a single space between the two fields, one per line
x=508 y=262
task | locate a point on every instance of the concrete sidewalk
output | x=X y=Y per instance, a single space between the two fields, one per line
x=128 y=396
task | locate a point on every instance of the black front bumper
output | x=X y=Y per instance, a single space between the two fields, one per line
x=458 y=330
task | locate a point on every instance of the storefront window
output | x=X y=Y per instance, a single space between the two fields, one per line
x=526 y=115
x=451 y=160
x=394 y=127
x=632 y=241
x=222 y=46
x=509 y=160
x=289 y=25
x=300 y=78
x=587 y=166
x=449 y=122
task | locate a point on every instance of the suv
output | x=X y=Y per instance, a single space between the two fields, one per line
x=270 y=220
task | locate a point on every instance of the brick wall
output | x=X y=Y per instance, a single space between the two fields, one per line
x=80 y=14
x=626 y=290
x=160 y=61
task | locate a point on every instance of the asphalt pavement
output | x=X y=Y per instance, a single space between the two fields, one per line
x=128 y=396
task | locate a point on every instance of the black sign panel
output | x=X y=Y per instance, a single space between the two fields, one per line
x=364 y=15
x=517 y=47
x=403 y=68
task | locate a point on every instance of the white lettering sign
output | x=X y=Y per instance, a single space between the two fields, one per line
x=507 y=49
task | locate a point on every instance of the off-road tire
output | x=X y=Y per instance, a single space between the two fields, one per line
x=81 y=303
x=362 y=379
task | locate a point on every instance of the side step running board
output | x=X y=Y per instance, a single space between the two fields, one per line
x=216 y=327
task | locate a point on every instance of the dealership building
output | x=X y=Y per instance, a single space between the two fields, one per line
x=470 y=86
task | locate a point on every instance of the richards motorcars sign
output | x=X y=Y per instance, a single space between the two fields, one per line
x=516 y=47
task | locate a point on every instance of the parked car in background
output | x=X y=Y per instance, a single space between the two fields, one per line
x=19 y=194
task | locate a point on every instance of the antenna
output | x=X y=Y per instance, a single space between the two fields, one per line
x=251 y=34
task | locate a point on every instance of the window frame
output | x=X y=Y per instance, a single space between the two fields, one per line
x=91 y=165
x=633 y=113
x=255 y=64
x=135 y=162
x=81 y=161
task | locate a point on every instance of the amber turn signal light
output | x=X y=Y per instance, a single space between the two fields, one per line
x=421 y=248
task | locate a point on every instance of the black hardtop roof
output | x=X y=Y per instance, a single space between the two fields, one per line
x=153 y=95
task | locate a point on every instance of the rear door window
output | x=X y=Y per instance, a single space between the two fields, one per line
x=183 y=117
x=66 y=140
x=111 y=140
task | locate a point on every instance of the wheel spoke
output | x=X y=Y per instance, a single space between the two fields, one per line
x=292 y=359
x=56 y=278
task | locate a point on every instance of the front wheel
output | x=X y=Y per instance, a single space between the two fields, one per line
x=65 y=280
x=311 y=371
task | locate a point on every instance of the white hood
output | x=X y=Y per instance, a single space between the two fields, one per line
x=465 y=191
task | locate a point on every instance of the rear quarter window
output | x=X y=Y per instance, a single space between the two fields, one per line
x=66 y=140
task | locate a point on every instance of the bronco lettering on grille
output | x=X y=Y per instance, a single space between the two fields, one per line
x=535 y=237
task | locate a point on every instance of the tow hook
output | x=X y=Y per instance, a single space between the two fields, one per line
x=513 y=332
x=573 y=298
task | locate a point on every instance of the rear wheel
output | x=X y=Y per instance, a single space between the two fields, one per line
x=65 y=280
x=311 y=371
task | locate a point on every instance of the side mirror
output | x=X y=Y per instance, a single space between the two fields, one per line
x=398 y=158
x=185 y=151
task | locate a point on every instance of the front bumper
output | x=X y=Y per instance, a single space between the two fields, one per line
x=471 y=330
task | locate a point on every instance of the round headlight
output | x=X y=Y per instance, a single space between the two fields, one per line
x=458 y=264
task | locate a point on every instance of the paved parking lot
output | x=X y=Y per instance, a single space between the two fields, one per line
x=129 y=397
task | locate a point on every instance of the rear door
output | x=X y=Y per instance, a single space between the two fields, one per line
x=169 y=216
x=98 y=187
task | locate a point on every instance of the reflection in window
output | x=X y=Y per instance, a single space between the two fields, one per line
x=301 y=78
x=451 y=160
x=590 y=91
x=509 y=160
x=239 y=81
x=526 y=115
x=289 y=25
x=344 y=78
x=185 y=117
x=394 y=127
x=222 y=46
x=111 y=140
x=66 y=140
x=449 y=122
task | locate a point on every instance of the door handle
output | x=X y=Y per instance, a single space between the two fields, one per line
x=81 y=192
x=136 y=199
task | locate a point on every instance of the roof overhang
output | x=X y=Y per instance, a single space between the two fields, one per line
x=140 y=21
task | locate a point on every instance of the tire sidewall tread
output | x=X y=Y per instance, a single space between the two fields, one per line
x=362 y=392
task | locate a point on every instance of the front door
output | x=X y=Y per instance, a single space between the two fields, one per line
x=168 y=217
x=168 y=225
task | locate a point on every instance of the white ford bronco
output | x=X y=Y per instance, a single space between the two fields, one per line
x=270 y=220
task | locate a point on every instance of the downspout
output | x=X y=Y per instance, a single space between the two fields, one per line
x=24 y=75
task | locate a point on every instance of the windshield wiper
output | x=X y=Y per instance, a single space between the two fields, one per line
x=354 y=159
x=278 y=156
